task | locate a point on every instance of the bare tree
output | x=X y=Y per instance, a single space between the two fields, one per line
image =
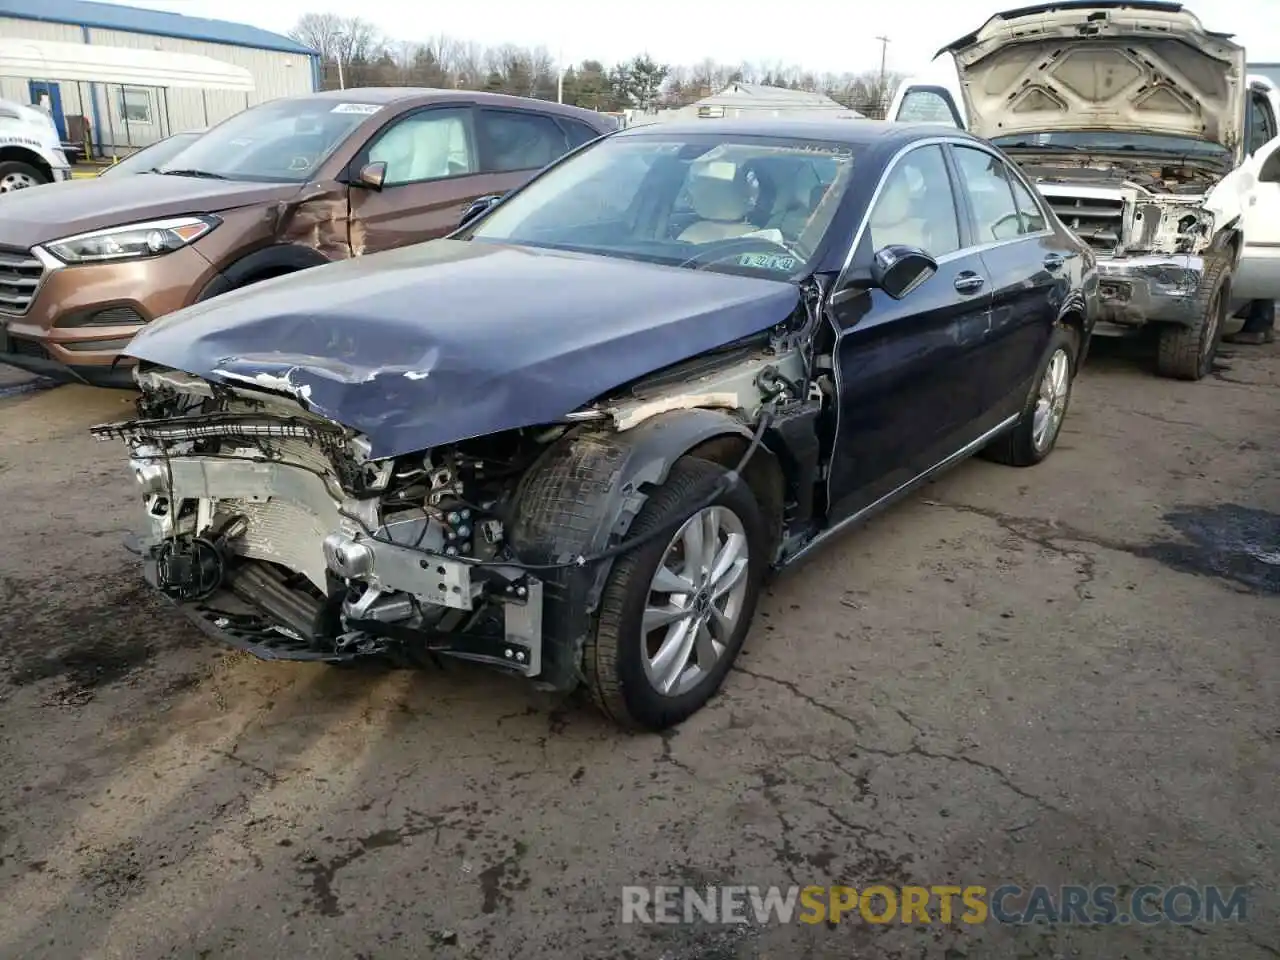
x=322 y=32
x=355 y=54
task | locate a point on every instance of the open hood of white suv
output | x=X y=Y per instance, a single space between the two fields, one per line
x=1140 y=67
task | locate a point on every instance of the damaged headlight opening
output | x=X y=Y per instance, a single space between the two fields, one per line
x=131 y=242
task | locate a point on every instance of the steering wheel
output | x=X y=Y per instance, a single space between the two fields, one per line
x=722 y=250
x=995 y=227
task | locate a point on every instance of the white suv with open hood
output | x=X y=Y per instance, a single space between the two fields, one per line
x=1148 y=139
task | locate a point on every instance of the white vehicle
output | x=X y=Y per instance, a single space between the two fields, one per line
x=1148 y=139
x=30 y=151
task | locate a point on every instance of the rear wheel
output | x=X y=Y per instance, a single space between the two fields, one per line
x=676 y=610
x=16 y=175
x=1033 y=437
x=1186 y=353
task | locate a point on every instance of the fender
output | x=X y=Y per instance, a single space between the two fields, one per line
x=278 y=258
x=580 y=498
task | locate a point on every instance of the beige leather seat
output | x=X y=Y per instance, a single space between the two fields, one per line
x=893 y=221
x=722 y=202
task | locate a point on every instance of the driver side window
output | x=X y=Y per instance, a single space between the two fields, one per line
x=428 y=145
x=916 y=207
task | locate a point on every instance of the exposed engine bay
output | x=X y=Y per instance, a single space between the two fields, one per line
x=275 y=530
x=1131 y=206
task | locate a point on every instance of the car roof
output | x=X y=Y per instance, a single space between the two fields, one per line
x=850 y=132
x=416 y=96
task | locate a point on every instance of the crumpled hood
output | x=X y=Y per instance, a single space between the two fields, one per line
x=77 y=206
x=1140 y=67
x=449 y=340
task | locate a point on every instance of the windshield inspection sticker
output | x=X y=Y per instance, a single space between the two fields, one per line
x=767 y=261
x=365 y=108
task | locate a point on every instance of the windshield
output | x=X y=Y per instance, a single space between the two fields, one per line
x=757 y=205
x=1101 y=141
x=153 y=156
x=282 y=141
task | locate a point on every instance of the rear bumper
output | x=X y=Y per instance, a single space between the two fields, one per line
x=1154 y=289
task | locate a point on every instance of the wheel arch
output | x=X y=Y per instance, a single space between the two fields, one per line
x=20 y=154
x=585 y=491
x=262 y=264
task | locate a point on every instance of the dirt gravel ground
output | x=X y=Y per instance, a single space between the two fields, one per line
x=1060 y=675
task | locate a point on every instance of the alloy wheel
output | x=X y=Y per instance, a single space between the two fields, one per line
x=1051 y=402
x=696 y=600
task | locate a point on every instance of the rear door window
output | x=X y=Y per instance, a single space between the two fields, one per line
x=986 y=179
x=1030 y=214
x=579 y=133
x=518 y=140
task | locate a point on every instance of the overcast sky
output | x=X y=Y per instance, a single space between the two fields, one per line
x=820 y=35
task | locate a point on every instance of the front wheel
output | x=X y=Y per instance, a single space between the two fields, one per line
x=676 y=610
x=1186 y=353
x=15 y=175
x=1032 y=438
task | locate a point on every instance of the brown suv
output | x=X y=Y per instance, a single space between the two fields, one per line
x=283 y=186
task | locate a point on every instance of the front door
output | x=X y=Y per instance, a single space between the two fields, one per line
x=49 y=97
x=433 y=174
x=1258 y=275
x=1027 y=263
x=909 y=387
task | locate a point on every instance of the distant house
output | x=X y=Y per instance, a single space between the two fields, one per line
x=758 y=100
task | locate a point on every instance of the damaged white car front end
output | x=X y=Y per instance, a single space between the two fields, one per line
x=1130 y=118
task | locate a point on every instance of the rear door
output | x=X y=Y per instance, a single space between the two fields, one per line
x=1026 y=265
x=909 y=388
x=433 y=173
x=515 y=144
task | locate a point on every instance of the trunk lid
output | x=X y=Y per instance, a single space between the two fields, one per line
x=1140 y=67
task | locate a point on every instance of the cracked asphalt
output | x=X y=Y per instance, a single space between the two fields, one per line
x=1067 y=674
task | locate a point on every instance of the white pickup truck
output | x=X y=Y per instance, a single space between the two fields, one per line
x=30 y=151
x=1147 y=137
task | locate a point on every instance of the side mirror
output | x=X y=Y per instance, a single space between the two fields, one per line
x=373 y=175
x=479 y=206
x=897 y=269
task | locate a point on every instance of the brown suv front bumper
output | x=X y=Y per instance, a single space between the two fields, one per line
x=80 y=318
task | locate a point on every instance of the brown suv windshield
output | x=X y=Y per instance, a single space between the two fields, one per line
x=283 y=141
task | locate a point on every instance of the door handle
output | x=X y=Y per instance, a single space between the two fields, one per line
x=969 y=282
x=1054 y=261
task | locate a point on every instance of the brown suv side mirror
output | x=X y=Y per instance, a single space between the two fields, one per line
x=373 y=175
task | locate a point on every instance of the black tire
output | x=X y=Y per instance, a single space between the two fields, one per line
x=613 y=658
x=16 y=169
x=1186 y=353
x=1017 y=447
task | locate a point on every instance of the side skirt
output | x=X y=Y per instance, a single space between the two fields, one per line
x=867 y=512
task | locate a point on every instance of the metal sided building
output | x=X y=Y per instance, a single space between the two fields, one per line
x=279 y=66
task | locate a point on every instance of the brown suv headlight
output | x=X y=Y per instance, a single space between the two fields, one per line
x=131 y=242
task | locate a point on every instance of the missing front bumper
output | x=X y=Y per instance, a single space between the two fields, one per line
x=257 y=610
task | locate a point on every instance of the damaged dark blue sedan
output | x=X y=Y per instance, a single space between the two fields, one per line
x=572 y=440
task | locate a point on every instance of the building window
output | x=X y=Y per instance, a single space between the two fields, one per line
x=135 y=105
